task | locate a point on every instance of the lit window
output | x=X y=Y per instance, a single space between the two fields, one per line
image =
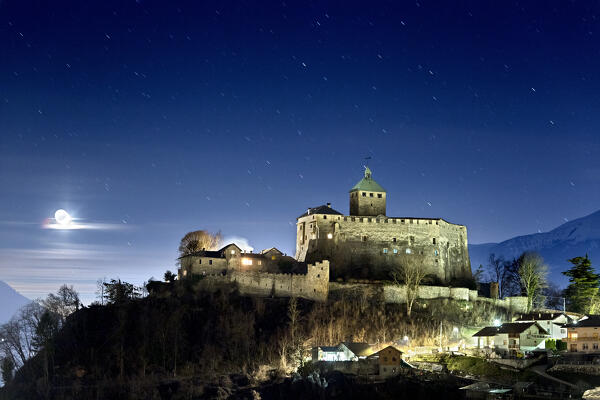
x=330 y=236
x=408 y=251
x=385 y=251
x=246 y=261
x=436 y=253
x=232 y=251
x=259 y=262
x=395 y=251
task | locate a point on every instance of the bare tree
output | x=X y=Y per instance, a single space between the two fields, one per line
x=18 y=334
x=533 y=272
x=411 y=273
x=63 y=303
x=199 y=240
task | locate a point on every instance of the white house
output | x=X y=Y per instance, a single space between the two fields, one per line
x=328 y=353
x=511 y=337
x=553 y=323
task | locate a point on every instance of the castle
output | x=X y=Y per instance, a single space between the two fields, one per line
x=369 y=244
x=366 y=244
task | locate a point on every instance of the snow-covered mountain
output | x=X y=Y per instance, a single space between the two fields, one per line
x=10 y=301
x=571 y=239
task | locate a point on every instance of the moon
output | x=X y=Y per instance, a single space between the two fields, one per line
x=62 y=217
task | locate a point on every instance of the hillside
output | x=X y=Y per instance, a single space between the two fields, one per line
x=571 y=239
x=11 y=301
x=196 y=344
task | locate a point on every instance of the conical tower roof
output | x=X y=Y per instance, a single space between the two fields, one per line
x=367 y=183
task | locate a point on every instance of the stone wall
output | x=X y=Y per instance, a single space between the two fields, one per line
x=397 y=294
x=314 y=285
x=373 y=244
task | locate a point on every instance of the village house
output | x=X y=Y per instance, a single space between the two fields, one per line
x=390 y=362
x=553 y=323
x=231 y=257
x=510 y=338
x=327 y=353
x=582 y=336
x=345 y=351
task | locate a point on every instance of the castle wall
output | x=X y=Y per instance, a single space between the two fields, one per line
x=380 y=242
x=314 y=285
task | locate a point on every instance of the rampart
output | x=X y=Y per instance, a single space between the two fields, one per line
x=314 y=285
x=397 y=294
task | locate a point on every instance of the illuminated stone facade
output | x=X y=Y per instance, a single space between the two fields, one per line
x=368 y=244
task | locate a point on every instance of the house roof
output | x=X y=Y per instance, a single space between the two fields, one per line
x=330 y=349
x=359 y=349
x=205 y=253
x=539 y=316
x=390 y=347
x=324 y=209
x=488 y=331
x=590 y=321
x=509 y=327
x=229 y=245
x=265 y=251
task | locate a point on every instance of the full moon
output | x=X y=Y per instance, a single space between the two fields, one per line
x=62 y=217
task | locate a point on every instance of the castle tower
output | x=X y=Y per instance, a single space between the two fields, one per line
x=367 y=197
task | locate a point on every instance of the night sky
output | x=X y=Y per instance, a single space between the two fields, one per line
x=145 y=120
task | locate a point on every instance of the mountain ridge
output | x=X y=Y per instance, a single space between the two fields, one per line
x=11 y=301
x=573 y=238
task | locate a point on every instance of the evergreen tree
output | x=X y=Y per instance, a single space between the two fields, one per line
x=7 y=366
x=583 y=287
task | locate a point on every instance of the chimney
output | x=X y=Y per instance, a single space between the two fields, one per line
x=308 y=212
x=329 y=205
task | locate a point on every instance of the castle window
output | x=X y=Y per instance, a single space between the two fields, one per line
x=393 y=221
x=433 y=240
x=436 y=260
x=402 y=221
x=200 y=261
x=408 y=251
x=361 y=220
x=209 y=262
x=394 y=240
x=412 y=239
x=385 y=251
x=352 y=219
x=329 y=236
x=379 y=195
x=318 y=275
x=437 y=253
x=369 y=219
x=385 y=220
x=377 y=220
x=364 y=194
x=395 y=251
x=364 y=238
x=436 y=223
x=370 y=194
x=324 y=216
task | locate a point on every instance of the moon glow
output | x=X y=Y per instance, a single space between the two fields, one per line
x=62 y=217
